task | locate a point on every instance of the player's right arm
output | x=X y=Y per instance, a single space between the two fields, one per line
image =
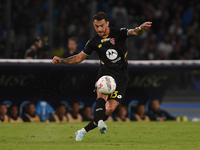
x=70 y=60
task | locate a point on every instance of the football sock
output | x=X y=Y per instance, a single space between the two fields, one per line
x=93 y=124
x=99 y=114
x=100 y=109
x=105 y=117
x=90 y=126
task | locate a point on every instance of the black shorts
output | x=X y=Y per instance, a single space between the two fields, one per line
x=121 y=79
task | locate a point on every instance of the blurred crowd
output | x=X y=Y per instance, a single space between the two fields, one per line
x=175 y=33
x=77 y=112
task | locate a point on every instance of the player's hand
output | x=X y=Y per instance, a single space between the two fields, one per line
x=146 y=25
x=56 y=60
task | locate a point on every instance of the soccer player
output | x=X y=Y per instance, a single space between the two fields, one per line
x=110 y=45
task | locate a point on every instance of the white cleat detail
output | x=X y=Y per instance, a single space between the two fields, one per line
x=79 y=135
x=102 y=127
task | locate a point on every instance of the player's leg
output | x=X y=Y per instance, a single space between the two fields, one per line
x=98 y=118
x=99 y=114
x=100 y=106
x=110 y=106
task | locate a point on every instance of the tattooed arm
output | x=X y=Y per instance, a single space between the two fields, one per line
x=139 y=30
x=70 y=60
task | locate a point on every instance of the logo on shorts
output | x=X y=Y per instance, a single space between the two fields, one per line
x=112 y=41
x=111 y=54
x=119 y=96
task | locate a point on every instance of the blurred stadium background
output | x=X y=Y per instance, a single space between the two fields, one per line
x=164 y=61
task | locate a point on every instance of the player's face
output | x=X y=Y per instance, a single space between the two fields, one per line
x=88 y=111
x=122 y=112
x=14 y=111
x=141 y=110
x=75 y=108
x=31 y=109
x=3 y=110
x=72 y=45
x=62 y=110
x=101 y=27
x=155 y=105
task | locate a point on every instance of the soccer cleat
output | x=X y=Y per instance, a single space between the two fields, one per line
x=102 y=127
x=79 y=135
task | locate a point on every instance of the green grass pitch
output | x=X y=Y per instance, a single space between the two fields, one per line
x=124 y=136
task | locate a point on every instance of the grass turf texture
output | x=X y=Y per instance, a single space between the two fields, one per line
x=133 y=135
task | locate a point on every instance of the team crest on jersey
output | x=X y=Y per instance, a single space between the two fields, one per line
x=112 y=41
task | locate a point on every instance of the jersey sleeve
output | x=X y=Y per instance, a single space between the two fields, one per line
x=123 y=33
x=88 y=49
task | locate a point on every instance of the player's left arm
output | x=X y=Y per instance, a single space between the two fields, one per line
x=139 y=30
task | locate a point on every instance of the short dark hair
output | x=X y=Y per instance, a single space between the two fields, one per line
x=122 y=106
x=86 y=107
x=154 y=100
x=75 y=102
x=30 y=103
x=11 y=107
x=140 y=104
x=60 y=105
x=100 y=16
x=73 y=39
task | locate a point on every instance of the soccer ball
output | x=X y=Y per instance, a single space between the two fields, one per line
x=106 y=85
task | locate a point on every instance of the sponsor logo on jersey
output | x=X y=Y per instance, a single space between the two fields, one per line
x=105 y=40
x=116 y=60
x=111 y=54
x=112 y=41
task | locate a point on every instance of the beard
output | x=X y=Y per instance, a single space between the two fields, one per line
x=102 y=33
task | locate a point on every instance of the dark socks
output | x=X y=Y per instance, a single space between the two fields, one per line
x=100 y=109
x=99 y=114
x=93 y=124
x=105 y=117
